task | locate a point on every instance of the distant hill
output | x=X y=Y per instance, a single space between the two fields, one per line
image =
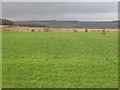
x=70 y=24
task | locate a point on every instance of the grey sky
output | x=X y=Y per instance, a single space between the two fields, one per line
x=60 y=10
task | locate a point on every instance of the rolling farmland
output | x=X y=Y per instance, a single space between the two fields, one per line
x=60 y=60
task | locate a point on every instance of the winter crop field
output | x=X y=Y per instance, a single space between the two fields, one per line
x=60 y=60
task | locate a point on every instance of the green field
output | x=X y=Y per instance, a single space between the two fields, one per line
x=60 y=60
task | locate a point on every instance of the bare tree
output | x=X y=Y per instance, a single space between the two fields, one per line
x=86 y=30
x=103 y=31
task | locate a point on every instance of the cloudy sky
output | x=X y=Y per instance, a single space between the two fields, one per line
x=82 y=11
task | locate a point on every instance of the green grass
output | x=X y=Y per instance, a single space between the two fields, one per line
x=60 y=60
x=0 y=60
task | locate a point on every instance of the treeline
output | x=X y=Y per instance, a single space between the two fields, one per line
x=6 y=22
x=31 y=25
x=9 y=22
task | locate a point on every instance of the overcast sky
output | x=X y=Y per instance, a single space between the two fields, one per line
x=82 y=11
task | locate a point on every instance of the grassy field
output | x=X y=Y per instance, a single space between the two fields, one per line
x=60 y=60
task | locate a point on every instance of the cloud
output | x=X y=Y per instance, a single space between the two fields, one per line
x=60 y=10
x=60 y=0
x=0 y=10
